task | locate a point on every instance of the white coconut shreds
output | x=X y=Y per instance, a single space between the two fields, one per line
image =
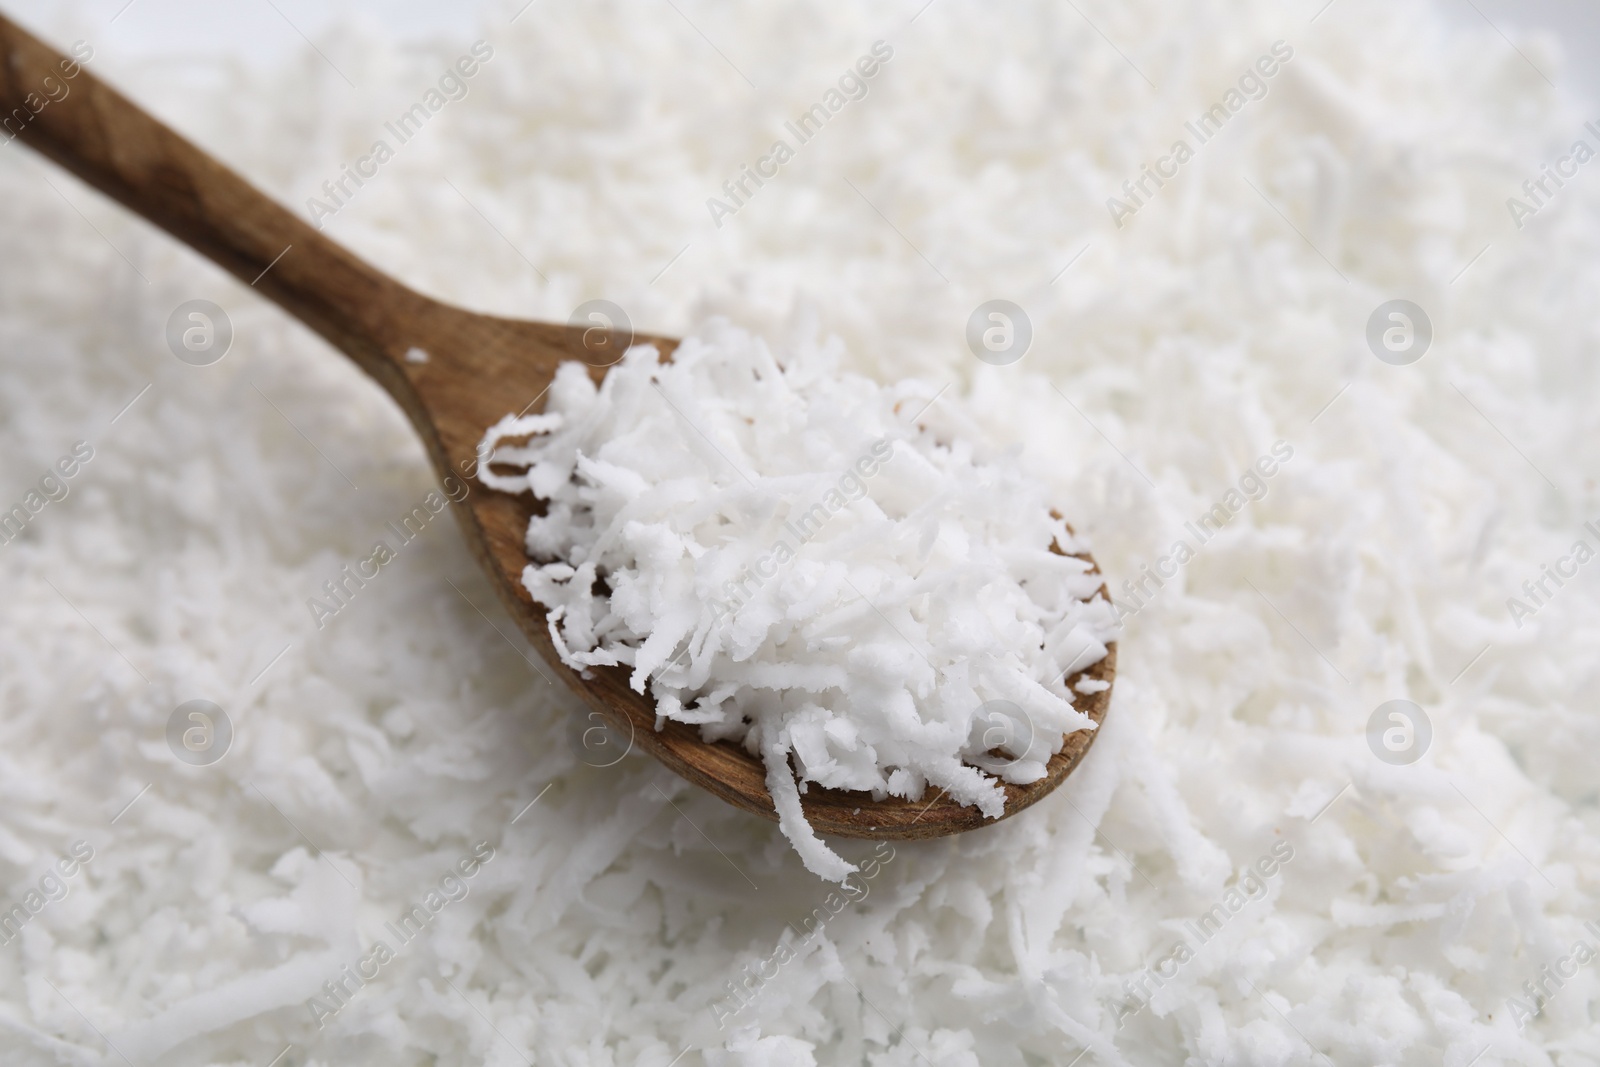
x=372 y=755
x=809 y=565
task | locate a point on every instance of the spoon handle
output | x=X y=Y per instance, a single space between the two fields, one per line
x=58 y=108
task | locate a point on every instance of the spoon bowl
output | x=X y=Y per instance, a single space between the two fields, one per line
x=454 y=372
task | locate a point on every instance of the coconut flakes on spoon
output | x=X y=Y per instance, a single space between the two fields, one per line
x=794 y=565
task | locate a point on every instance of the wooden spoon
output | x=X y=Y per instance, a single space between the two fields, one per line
x=477 y=368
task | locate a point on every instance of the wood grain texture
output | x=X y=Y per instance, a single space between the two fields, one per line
x=478 y=368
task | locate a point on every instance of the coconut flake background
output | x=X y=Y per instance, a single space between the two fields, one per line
x=372 y=755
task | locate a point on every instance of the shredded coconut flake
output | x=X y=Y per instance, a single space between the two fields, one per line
x=788 y=561
x=1421 y=902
